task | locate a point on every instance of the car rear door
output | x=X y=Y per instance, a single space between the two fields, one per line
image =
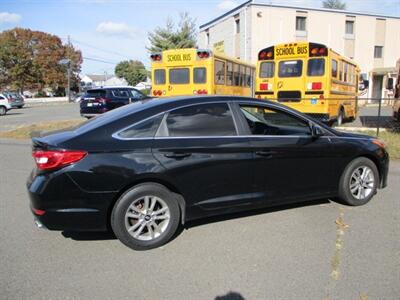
x=289 y=163
x=199 y=147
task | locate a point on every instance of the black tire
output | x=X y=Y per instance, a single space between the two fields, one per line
x=20 y=106
x=3 y=110
x=340 y=118
x=345 y=194
x=118 y=222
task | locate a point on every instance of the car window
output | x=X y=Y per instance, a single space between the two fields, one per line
x=120 y=93
x=96 y=93
x=290 y=68
x=179 y=75
x=201 y=120
x=265 y=121
x=267 y=69
x=144 y=129
x=316 y=67
x=159 y=76
x=199 y=75
x=135 y=94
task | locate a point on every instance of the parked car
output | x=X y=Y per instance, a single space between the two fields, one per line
x=78 y=97
x=16 y=99
x=4 y=105
x=146 y=168
x=100 y=100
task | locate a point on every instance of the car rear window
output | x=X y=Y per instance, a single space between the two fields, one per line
x=199 y=75
x=290 y=68
x=120 y=93
x=267 y=69
x=316 y=67
x=144 y=129
x=159 y=76
x=95 y=93
x=179 y=76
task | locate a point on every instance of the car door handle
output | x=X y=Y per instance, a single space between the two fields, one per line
x=177 y=155
x=267 y=153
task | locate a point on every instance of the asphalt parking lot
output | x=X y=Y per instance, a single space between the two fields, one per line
x=318 y=250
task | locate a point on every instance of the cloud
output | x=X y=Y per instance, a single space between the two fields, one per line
x=117 y=29
x=6 y=17
x=227 y=5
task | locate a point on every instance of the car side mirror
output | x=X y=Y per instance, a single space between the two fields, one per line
x=316 y=131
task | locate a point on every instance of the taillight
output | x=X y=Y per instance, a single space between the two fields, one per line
x=200 y=92
x=103 y=100
x=316 y=85
x=51 y=159
x=158 y=92
x=38 y=212
x=264 y=86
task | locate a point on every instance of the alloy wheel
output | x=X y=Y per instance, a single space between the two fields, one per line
x=147 y=218
x=362 y=182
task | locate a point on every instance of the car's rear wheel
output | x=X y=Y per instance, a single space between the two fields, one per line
x=340 y=117
x=359 y=182
x=146 y=216
x=3 y=110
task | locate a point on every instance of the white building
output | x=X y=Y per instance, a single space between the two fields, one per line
x=372 y=40
x=92 y=81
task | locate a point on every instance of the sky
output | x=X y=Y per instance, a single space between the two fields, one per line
x=108 y=31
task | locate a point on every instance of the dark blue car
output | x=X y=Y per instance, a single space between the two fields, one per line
x=100 y=100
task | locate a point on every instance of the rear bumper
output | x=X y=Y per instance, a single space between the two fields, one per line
x=92 y=111
x=72 y=209
x=17 y=104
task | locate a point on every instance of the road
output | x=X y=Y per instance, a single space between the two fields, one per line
x=40 y=113
x=293 y=252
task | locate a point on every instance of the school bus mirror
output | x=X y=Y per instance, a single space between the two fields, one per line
x=389 y=84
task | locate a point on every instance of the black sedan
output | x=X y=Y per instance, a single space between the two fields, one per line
x=100 y=100
x=145 y=168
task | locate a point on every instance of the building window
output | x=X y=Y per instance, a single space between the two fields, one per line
x=350 y=27
x=301 y=23
x=237 y=26
x=207 y=38
x=378 y=51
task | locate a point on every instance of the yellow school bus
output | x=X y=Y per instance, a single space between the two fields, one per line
x=197 y=72
x=311 y=78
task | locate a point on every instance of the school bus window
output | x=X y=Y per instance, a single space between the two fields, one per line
x=199 y=75
x=179 y=76
x=229 y=73
x=334 y=68
x=267 y=69
x=236 y=75
x=248 y=76
x=219 y=71
x=345 y=72
x=316 y=67
x=242 y=73
x=290 y=68
x=340 y=71
x=159 y=76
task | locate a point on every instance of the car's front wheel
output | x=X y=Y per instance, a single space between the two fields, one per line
x=359 y=182
x=3 y=110
x=146 y=216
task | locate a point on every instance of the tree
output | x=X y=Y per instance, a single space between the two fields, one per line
x=30 y=60
x=170 y=38
x=133 y=71
x=334 y=4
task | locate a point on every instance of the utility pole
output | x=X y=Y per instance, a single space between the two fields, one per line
x=69 y=73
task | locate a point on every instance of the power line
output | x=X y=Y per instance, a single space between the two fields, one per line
x=100 y=49
x=100 y=60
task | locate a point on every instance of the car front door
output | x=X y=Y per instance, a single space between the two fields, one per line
x=200 y=149
x=289 y=163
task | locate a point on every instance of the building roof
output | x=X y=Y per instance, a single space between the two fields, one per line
x=256 y=3
x=94 y=77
